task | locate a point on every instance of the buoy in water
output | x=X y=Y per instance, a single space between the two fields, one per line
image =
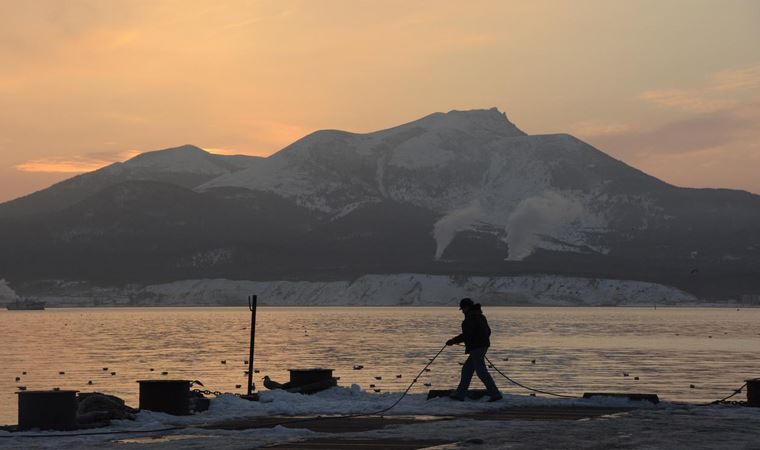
x=428 y=384
x=532 y=361
x=377 y=390
x=18 y=378
x=152 y=369
x=224 y=361
x=23 y=373
x=164 y=373
x=691 y=386
x=378 y=378
x=105 y=369
x=61 y=373
x=237 y=386
x=636 y=378
x=398 y=376
x=371 y=385
x=89 y=382
x=358 y=367
x=22 y=388
x=113 y=373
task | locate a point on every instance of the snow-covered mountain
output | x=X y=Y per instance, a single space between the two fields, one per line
x=475 y=169
x=459 y=193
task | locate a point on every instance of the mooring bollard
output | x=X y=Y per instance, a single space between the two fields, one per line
x=169 y=396
x=47 y=410
x=301 y=377
x=753 y=392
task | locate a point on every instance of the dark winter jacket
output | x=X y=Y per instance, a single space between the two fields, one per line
x=475 y=330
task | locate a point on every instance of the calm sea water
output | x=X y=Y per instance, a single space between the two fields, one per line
x=575 y=349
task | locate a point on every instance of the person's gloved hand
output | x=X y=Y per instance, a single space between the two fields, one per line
x=450 y=342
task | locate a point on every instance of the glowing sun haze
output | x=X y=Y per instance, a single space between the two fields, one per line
x=671 y=87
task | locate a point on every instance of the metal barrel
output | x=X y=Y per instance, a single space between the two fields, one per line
x=169 y=396
x=47 y=410
x=753 y=392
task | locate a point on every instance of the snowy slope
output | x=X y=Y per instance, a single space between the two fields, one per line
x=475 y=169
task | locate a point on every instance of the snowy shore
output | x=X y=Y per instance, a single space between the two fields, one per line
x=666 y=425
x=409 y=289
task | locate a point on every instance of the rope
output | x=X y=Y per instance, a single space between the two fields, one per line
x=374 y=413
x=715 y=402
x=736 y=391
x=524 y=386
x=284 y=422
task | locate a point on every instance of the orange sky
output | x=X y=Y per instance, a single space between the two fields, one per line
x=671 y=87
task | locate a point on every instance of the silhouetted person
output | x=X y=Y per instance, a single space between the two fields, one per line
x=476 y=337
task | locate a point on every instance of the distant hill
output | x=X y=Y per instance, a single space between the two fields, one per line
x=459 y=193
x=186 y=166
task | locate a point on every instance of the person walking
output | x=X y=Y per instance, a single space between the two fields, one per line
x=476 y=337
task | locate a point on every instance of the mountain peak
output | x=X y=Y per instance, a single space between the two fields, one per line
x=183 y=159
x=474 y=121
x=183 y=151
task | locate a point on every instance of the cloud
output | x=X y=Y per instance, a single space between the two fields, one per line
x=60 y=165
x=722 y=90
x=717 y=149
x=77 y=164
x=696 y=100
x=733 y=79
x=715 y=142
x=226 y=151
x=692 y=134
x=601 y=128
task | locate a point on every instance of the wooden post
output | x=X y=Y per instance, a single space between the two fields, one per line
x=252 y=300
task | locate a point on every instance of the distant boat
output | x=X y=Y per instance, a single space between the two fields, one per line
x=25 y=305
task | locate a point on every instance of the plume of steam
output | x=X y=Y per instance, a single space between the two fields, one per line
x=453 y=222
x=6 y=293
x=535 y=216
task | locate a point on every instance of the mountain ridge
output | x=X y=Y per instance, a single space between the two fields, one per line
x=189 y=166
x=459 y=193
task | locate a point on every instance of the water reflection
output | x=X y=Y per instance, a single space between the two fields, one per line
x=575 y=349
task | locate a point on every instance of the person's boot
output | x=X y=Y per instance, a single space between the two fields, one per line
x=495 y=398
